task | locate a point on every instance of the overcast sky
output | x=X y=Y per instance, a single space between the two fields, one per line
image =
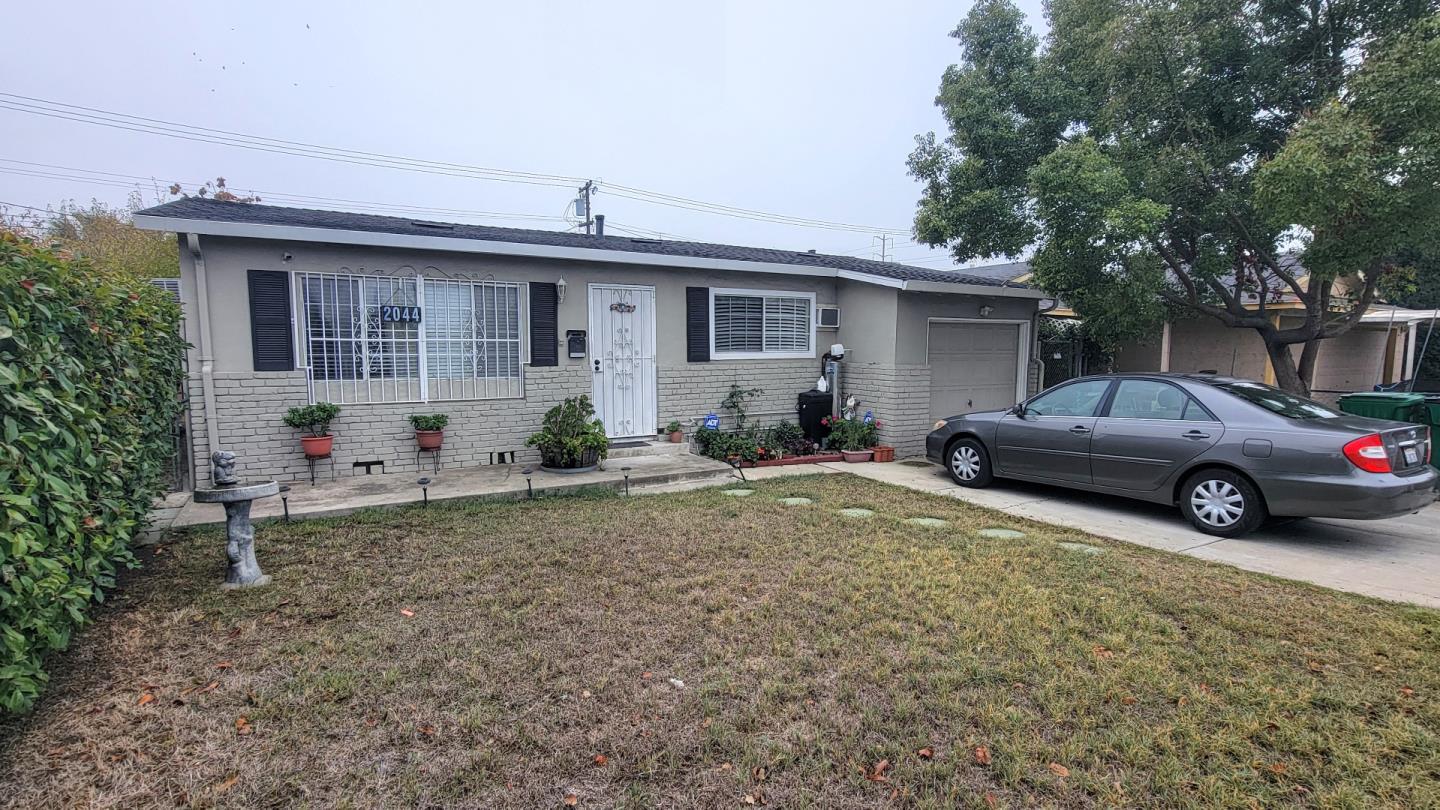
x=806 y=109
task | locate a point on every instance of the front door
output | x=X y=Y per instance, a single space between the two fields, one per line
x=1051 y=438
x=622 y=358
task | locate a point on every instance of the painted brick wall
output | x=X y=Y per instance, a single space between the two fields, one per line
x=689 y=391
x=900 y=398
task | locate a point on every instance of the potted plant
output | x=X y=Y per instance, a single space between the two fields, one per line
x=570 y=438
x=853 y=438
x=429 y=429
x=315 y=420
x=676 y=434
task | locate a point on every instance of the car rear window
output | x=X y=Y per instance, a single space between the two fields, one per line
x=1277 y=401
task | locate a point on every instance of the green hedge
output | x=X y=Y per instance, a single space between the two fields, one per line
x=90 y=367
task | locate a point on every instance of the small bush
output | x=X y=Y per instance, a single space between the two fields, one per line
x=720 y=445
x=429 y=421
x=313 y=419
x=90 y=373
x=569 y=432
x=852 y=434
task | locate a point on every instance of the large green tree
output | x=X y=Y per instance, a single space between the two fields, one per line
x=1165 y=158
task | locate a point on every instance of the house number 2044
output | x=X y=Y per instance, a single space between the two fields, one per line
x=395 y=314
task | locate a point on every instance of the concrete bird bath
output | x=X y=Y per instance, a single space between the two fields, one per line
x=239 y=532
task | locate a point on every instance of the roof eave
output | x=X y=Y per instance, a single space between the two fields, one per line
x=297 y=233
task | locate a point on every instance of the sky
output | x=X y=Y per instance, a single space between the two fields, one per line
x=803 y=109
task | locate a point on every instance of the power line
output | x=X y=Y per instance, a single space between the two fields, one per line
x=153 y=126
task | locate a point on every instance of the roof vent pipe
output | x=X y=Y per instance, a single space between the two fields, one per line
x=599 y=224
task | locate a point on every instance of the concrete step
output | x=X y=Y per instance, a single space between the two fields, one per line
x=650 y=448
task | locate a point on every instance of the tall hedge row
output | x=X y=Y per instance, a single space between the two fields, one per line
x=90 y=363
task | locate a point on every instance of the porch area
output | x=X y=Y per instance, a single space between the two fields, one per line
x=346 y=493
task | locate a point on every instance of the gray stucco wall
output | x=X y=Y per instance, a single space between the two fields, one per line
x=888 y=374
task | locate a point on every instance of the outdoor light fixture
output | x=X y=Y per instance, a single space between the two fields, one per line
x=626 y=470
x=425 y=489
x=560 y=291
x=986 y=310
x=529 y=491
x=285 y=499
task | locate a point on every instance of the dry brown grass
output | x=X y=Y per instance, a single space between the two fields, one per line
x=811 y=647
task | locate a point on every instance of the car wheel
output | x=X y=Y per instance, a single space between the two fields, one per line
x=969 y=464
x=1222 y=503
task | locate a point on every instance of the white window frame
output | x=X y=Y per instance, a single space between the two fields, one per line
x=478 y=392
x=808 y=354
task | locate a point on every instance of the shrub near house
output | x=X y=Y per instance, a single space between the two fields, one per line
x=90 y=367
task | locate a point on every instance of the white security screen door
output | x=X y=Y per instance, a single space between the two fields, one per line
x=622 y=358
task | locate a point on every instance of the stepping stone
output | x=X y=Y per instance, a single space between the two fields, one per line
x=1082 y=548
x=854 y=513
x=796 y=501
x=927 y=522
x=739 y=493
x=1001 y=534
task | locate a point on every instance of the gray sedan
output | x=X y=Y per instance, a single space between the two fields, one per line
x=1229 y=452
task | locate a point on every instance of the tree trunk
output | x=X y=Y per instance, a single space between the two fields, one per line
x=1308 y=356
x=1287 y=375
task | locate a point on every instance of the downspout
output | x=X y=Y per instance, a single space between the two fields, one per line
x=206 y=347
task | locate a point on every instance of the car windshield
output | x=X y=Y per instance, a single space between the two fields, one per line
x=1277 y=401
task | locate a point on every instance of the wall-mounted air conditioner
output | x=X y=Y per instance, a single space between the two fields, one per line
x=829 y=318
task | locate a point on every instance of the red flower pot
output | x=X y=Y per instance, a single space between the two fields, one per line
x=317 y=446
x=884 y=452
x=856 y=456
x=430 y=439
x=677 y=436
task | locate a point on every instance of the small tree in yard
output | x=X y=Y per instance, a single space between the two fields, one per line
x=1163 y=159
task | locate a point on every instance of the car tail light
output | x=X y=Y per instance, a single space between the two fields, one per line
x=1369 y=454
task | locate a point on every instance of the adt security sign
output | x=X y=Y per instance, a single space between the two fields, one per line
x=711 y=421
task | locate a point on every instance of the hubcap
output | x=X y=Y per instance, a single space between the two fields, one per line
x=965 y=462
x=1217 y=503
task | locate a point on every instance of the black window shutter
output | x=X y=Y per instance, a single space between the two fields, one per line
x=544 y=325
x=272 y=342
x=697 y=324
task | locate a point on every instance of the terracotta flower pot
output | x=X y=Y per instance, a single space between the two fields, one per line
x=856 y=456
x=884 y=452
x=677 y=436
x=317 y=446
x=430 y=439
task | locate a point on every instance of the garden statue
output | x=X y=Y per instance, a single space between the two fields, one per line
x=244 y=571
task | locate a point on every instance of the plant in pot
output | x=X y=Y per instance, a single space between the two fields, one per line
x=853 y=438
x=676 y=434
x=429 y=429
x=315 y=420
x=570 y=438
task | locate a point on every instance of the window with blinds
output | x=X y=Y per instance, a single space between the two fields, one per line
x=761 y=324
x=465 y=345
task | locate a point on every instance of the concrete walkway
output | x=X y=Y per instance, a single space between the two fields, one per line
x=1396 y=559
x=348 y=494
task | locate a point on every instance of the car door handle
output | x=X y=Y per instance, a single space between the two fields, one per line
x=1079 y=430
x=1196 y=434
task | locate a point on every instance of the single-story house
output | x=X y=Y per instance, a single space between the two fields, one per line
x=389 y=317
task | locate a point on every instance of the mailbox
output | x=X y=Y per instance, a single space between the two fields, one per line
x=575 y=342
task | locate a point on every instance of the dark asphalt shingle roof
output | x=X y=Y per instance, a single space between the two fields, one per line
x=250 y=213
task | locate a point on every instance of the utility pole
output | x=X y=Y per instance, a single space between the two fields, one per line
x=884 y=246
x=585 y=192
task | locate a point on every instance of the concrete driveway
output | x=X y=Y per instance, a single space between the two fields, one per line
x=1397 y=559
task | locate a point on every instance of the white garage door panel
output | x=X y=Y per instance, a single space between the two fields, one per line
x=973 y=367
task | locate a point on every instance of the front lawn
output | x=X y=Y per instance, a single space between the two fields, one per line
x=700 y=649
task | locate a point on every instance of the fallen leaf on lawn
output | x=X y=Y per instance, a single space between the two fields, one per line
x=1101 y=651
x=407 y=613
x=146 y=698
x=1277 y=767
x=571 y=800
x=227 y=784
x=210 y=687
x=223 y=665
x=242 y=725
x=877 y=773
x=982 y=755
x=1316 y=666
x=1129 y=700
x=585 y=693
x=926 y=753
x=1407 y=691
x=645 y=676
x=601 y=759
x=1058 y=769
x=428 y=731
x=725 y=766
x=990 y=800
x=759 y=774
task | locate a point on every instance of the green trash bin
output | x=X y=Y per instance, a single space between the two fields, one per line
x=1393 y=405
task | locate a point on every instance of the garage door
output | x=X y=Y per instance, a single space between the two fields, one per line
x=973 y=367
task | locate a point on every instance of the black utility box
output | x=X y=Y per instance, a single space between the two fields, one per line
x=811 y=407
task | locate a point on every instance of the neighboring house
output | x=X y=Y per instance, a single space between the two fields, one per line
x=390 y=316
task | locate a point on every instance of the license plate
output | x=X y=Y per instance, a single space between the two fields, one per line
x=1412 y=455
